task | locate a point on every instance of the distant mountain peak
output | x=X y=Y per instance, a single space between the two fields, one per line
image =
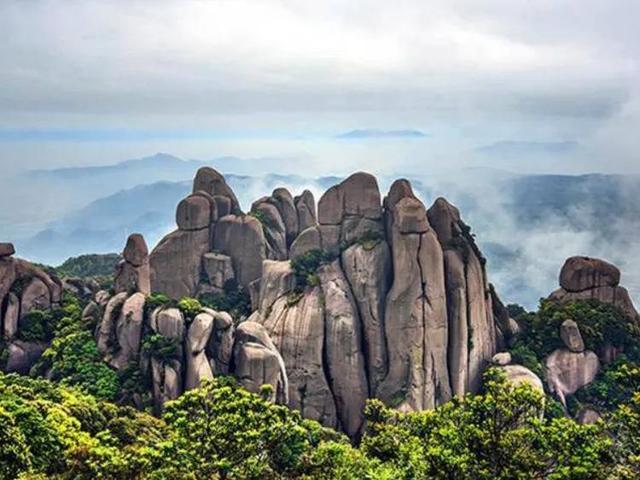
x=374 y=133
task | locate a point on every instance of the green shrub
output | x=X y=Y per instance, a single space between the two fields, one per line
x=233 y=299
x=157 y=300
x=159 y=347
x=101 y=265
x=305 y=268
x=36 y=326
x=190 y=307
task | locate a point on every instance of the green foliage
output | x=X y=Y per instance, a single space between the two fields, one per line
x=233 y=299
x=496 y=435
x=89 y=266
x=370 y=239
x=616 y=384
x=157 y=300
x=73 y=356
x=600 y=323
x=190 y=307
x=74 y=360
x=35 y=326
x=160 y=347
x=306 y=266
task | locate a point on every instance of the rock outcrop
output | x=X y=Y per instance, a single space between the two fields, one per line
x=585 y=278
x=567 y=371
x=132 y=273
x=24 y=288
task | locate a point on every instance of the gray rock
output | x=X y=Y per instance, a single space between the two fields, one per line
x=306 y=210
x=416 y=314
x=136 y=251
x=242 y=238
x=128 y=331
x=176 y=263
x=218 y=268
x=570 y=335
x=567 y=371
x=283 y=200
x=198 y=368
x=369 y=274
x=107 y=338
x=6 y=249
x=518 y=375
x=584 y=273
x=220 y=347
x=129 y=278
x=259 y=366
x=193 y=213
x=273 y=227
x=344 y=358
x=11 y=316
x=7 y=276
x=501 y=359
x=211 y=181
x=22 y=356
x=588 y=416
x=278 y=279
x=36 y=296
x=309 y=239
x=297 y=330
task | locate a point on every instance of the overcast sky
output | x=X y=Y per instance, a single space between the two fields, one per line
x=97 y=82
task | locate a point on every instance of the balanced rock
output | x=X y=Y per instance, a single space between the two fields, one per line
x=6 y=249
x=501 y=359
x=136 y=251
x=584 y=273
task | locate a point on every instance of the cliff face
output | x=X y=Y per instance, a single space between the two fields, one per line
x=400 y=308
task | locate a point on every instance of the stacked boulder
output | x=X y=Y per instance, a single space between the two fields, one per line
x=216 y=242
x=571 y=368
x=174 y=351
x=24 y=288
x=586 y=278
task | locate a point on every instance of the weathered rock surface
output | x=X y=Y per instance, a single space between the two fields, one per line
x=298 y=333
x=309 y=239
x=258 y=362
x=584 y=273
x=368 y=271
x=306 y=210
x=518 y=375
x=571 y=337
x=343 y=349
x=274 y=229
x=218 y=269
x=176 y=263
x=107 y=330
x=416 y=312
x=198 y=367
x=23 y=355
x=472 y=330
x=6 y=249
x=36 y=296
x=567 y=372
x=11 y=316
x=283 y=200
x=220 y=346
x=501 y=359
x=129 y=331
x=212 y=182
x=136 y=251
x=242 y=238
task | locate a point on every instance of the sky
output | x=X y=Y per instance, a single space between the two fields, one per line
x=86 y=83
